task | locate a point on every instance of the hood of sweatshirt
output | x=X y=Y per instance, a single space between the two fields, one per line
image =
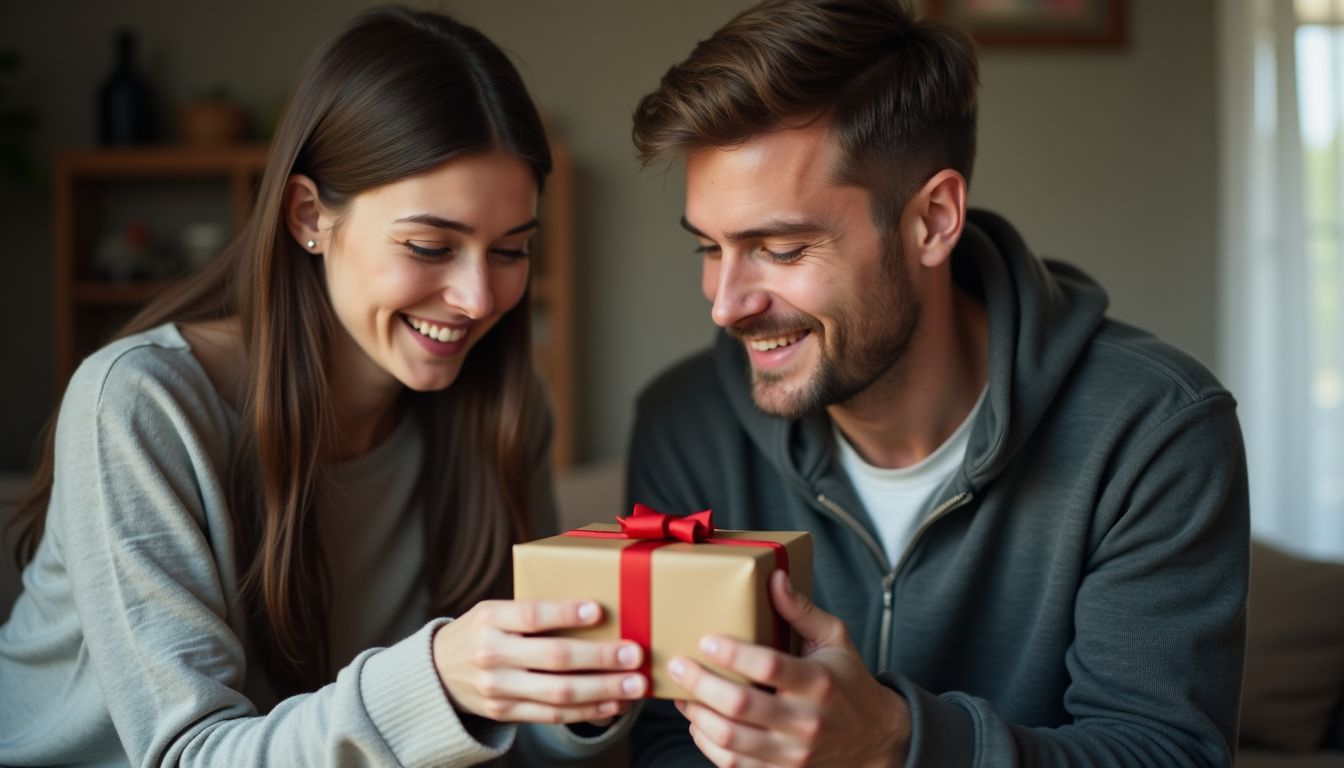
x=1041 y=316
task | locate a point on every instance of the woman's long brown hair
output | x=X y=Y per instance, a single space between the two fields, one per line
x=395 y=94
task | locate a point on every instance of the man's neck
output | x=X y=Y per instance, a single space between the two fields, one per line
x=920 y=401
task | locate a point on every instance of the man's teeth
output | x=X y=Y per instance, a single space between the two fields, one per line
x=438 y=333
x=765 y=345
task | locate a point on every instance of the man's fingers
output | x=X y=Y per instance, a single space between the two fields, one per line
x=759 y=664
x=720 y=756
x=738 y=738
x=532 y=616
x=556 y=654
x=735 y=702
x=817 y=627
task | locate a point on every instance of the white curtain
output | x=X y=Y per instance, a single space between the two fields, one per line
x=1282 y=261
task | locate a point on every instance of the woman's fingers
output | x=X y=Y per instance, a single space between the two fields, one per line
x=554 y=654
x=531 y=616
x=520 y=711
x=560 y=690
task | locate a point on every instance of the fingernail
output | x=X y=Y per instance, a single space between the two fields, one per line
x=788 y=584
x=628 y=655
x=609 y=708
x=709 y=645
x=676 y=668
x=588 y=612
x=633 y=685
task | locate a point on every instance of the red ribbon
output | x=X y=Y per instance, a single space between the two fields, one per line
x=653 y=530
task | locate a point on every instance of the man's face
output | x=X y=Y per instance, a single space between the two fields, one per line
x=796 y=269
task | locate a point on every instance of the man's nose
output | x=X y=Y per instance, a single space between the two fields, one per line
x=733 y=285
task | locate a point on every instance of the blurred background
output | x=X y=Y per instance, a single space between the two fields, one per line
x=1133 y=156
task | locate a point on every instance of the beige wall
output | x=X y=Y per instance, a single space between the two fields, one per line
x=1106 y=159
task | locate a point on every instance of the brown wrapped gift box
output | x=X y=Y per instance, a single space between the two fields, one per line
x=696 y=589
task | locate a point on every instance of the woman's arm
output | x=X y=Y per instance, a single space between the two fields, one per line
x=138 y=506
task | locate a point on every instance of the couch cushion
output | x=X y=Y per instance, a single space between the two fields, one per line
x=1334 y=739
x=1294 y=650
x=1268 y=758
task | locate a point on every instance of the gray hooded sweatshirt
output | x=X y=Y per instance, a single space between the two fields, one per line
x=1075 y=594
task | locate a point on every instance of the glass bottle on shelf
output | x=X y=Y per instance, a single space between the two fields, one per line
x=125 y=105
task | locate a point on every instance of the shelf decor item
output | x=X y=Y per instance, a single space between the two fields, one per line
x=125 y=102
x=212 y=120
x=1036 y=23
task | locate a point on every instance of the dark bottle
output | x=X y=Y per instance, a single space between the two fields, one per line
x=125 y=106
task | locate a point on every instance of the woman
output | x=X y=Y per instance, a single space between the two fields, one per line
x=290 y=461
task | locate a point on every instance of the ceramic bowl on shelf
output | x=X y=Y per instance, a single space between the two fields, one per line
x=211 y=122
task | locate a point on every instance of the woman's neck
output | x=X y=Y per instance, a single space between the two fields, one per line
x=366 y=401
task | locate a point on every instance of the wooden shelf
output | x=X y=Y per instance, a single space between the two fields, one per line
x=85 y=186
x=161 y=162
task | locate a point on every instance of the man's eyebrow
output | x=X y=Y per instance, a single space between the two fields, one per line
x=439 y=222
x=776 y=228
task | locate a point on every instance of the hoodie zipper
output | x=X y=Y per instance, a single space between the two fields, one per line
x=889 y=580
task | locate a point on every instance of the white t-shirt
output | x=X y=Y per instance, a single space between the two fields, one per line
x=897 y=499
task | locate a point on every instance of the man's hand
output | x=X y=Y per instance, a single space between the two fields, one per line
x=826 y=708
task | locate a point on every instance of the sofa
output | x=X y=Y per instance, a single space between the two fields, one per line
x=1292 y=704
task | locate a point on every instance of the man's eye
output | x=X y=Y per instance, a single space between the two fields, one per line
x=428 y=253
x=785 y=256
x=704 y=249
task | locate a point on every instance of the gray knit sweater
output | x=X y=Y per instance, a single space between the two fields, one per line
x=127 y=645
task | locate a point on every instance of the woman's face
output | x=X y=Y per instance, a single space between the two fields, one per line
x=419 y=270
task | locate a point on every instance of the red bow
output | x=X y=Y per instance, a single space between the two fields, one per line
x=647 y=523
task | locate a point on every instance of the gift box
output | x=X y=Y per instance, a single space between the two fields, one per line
x=665 y=581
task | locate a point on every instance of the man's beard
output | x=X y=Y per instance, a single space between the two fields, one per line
x=864 y=344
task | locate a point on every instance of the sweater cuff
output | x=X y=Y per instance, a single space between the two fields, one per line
x=553 y=743
x=941 y=731
x=407 y=704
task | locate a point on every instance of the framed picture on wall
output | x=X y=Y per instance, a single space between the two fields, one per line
x=1036 y=23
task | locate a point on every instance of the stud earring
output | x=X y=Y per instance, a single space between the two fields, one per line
x=311 y=244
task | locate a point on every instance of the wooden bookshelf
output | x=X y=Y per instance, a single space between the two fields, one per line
x=90 y=191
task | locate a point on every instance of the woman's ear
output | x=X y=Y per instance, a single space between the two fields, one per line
x=303 y=213
x=939 y=213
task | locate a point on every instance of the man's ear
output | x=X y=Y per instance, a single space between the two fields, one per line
x=937 y=214
x=303 y=213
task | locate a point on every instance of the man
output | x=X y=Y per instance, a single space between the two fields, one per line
x=1030 y=520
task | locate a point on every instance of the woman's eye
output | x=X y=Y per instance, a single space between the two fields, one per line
x=428 y=253
x=512 y=254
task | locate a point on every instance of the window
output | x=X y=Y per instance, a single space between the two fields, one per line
x=1282 y=261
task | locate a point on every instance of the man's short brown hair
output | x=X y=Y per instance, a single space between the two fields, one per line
x=900 y=93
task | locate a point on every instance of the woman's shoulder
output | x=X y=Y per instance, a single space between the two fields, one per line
x=155 y=366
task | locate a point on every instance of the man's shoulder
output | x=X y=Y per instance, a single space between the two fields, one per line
x=689 y=386
x=1139 y=361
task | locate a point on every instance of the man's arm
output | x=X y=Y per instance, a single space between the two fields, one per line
x=1155 y=667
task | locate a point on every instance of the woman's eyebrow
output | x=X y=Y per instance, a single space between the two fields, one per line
x=439 y=222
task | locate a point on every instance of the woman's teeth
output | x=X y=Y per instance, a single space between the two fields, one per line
x=765 y=345
x=438 y=333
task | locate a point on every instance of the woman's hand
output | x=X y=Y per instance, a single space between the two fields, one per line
x=489 y=667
